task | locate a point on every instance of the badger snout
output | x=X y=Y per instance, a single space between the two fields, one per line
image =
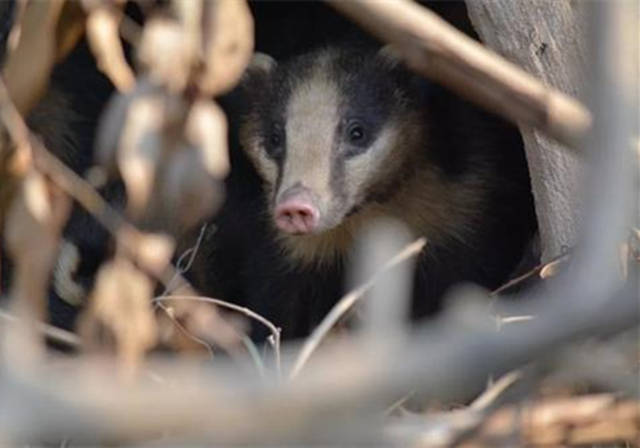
x=296 y=212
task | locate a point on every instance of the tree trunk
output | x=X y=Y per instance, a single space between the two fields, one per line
x=547 y=38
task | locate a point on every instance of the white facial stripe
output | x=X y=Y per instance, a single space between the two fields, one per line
x=312 y=118
x=249 y=136
x=369 y=166
x=267 y=166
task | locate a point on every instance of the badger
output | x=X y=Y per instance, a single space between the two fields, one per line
x=338 y=137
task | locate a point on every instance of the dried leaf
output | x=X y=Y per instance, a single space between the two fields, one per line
x=33 y=226
x=207 y=131
x=552 y=268
x=120 y=308
x=26 y=72
x=165 y=55
x=69 y=28
x=141 y=148
x=34 y=222
x=170 y=158
x=14 y=165
x=189 y=194
x=190 y=16
x=228 y=45
x=110 y=128
x=153 y=251
x=104 y=40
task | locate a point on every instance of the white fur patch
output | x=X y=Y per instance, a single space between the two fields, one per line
x=311 y=122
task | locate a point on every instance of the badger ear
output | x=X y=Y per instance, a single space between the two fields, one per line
x=423 y=89
x=262 y=62
x=259 y=69
x=390 y=55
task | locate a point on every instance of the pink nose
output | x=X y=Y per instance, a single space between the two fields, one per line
x=296 y=216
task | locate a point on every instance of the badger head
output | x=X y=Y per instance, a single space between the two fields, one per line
x=331 y=133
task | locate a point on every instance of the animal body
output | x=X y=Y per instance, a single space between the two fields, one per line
x=336 y=138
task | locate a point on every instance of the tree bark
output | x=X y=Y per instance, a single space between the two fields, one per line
x=547 y=38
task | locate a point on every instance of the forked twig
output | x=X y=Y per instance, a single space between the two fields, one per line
x=275 y=331
x=183 y=330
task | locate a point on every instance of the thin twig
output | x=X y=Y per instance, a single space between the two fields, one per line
x=489 y=396
x=399 y=403
x=275 y=331
x=345 y=304
x=513 y=319
x=54 y=333
x=191 y=252
x=245 y=339
x=184 y=331
x=533 y=271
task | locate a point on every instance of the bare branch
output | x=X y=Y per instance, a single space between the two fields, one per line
x=439 y=51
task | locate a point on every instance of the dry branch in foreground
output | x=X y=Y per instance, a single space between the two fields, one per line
x=573 y=421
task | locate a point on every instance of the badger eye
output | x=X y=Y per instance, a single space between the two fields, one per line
x=356 y=133
x=274 y=142
x=275 y=139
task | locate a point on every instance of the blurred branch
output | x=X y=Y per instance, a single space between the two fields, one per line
x=54 y=333
x=35 y=31
x=342 y=378
x=347 y=302
x=437 y=50
x=103 y=37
